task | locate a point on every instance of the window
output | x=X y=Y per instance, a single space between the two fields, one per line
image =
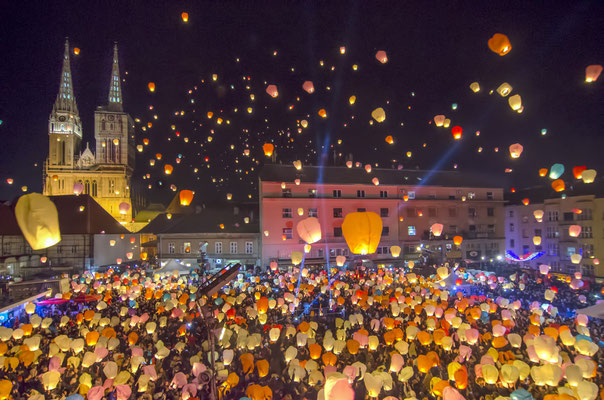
x=471 y=212
x=218 y=247
x=489 y=195
x=171 y=247
x=337 y=213
x=312 y=192
x=490 y=212
x=552 y=215
x=432 y=212
x=472 y=228
x=385 y=231
x=525 y=249
x=287 y=213
x=361 y=209
x=471 y=195
x=312 y=212
x=411 y=212
x=511 y=213
x=551 y=232
x=249 y=247
x=511 y=227
x=512 y=243
x=385 y=250
x=410 y=248
x=94 y=189
x=491 y=228
x=286 y=193
x=569 y=216
x=337 y=193
x=586 y=232
x=585 y=215
x=74 y=249
x=383 y=194
x=186 y=247
x=432 y=196
x=538 y=232
x=233 y=247
x=570 y=251
x=588 y=250
x=383 y=212
x=411 y=195
x=553 y=249
x=360 y=193
x=452 y=228
x=524 y=233
x=287 y=233
x=337 y=232
x=411 y=230
x=452 y=212
x=525 y=219
x=321 y=253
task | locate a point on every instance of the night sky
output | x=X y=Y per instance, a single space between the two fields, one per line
x=435 y=50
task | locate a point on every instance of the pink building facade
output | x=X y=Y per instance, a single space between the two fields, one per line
x=408 y=202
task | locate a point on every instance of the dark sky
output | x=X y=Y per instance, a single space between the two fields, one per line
x=435 y=50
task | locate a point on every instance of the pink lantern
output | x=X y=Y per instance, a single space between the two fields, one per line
x=544 y=269
x=349 y=164
x=574 y=230
x=78 y=188
x=592 y=72
x=309 y=87
x=368 y=168
x=272 y=90
x=274 y=265
x=381 y=56
x=436 y=229
x=375 y=181
x=124 y=207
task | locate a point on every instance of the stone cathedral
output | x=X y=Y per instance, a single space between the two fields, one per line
x=104 y=174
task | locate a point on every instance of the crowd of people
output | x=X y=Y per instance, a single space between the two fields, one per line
x=306 y=333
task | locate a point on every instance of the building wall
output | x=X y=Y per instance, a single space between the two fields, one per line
x=408 y=222
x=521 y=226
x=106 y=254
x=189 y=248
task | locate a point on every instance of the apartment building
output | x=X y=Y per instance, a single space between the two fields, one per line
x=408 y=202
x=576 y=207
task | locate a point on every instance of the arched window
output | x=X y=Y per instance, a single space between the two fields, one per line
x=103 y=125
x=94 y=189
x=87 y=187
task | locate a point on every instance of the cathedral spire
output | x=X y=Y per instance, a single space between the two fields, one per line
x=66 y=99
x=115 y=88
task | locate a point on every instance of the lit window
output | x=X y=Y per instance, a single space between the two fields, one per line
x=411 y=230
x=186 y=247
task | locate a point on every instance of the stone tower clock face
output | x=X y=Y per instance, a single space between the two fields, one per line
x=110 y=118
x=62 y=118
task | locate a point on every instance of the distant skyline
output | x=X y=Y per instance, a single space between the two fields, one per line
x=434 y=52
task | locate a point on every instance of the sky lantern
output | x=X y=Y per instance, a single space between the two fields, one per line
x=558 y=185
x=78 y=188
x=210 y=114
x=588 y=175
x=504 y=89
x=146 y=141
x=526 y=201
x=389 y=139
x=296 y=257
x=368 y=168
x=298 y=165
x=229 y=196
x=543 y=172
x=456 y=132
x=362 y=232
x=168 y=169
x=447 y=123
x=38 y=219
x=500 y=44
x=342 y=49
x=151 y=86
x=574 y=230
x=515 y=102
x=379 y=114
x=556 y=171
x=185 y=17
x=340 y=261
x=352 y=99
x=436 y=229
x=538 y=214
x=592 y=72
x=309 y=87
x=575 y=258
x=457 y=240
x=124 y=207
x=272 y=90
x=516 y=150
x=475 y=87
x=375 y=181
x=309 y=230
x=304 y=123
x=268 y=149
x=9 y=181
x=381 y=56
x=322 y=113
x=76 y=51
x=186 y=197
x=395 y=251
x=349 y=164
x=537 y=240
x=578 y=171
x=439 y=120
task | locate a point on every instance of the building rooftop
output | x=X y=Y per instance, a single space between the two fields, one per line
x=208 y=219
x=92 y=219
x=354 y=175
x=538 y=194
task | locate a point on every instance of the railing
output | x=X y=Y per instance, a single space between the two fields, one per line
x=218 y=280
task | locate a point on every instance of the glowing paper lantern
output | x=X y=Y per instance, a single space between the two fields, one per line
x=456 y=131
x=543 y=172
x=516 y=150
x=538 y=214
x=168 y=169
x=375 y=181
x=309 y=230
x=185 y=17
x=504 y=89
x=544 y=269
x=389 y=139
x=38 y=219
x=592 y=72
x=308 y=87
x=272 y=90
x=500 y=44
x=381 y=56
x=296 y=257
x=268 y=149
x=362 y=231
x=537 y=240
x=322 y=113
x=352 y=99
x=475 y=87
x=186 y=197
x=589 y=175
x=457 y=240
x=151 y=86
x=558 y=185
x=576 y=258
x=378 y=114
x=515 y=102
x=436 y=229
x=439 y=120
x=574 y=230
x=124 y=207
x=340 y=261
x=395 y=251
x=556 y=171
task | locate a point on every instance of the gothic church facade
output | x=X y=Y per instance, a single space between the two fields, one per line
x=104 y=174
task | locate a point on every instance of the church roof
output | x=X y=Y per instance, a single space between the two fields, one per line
x=66 y=101
x=115 y=87
x=92 y=219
